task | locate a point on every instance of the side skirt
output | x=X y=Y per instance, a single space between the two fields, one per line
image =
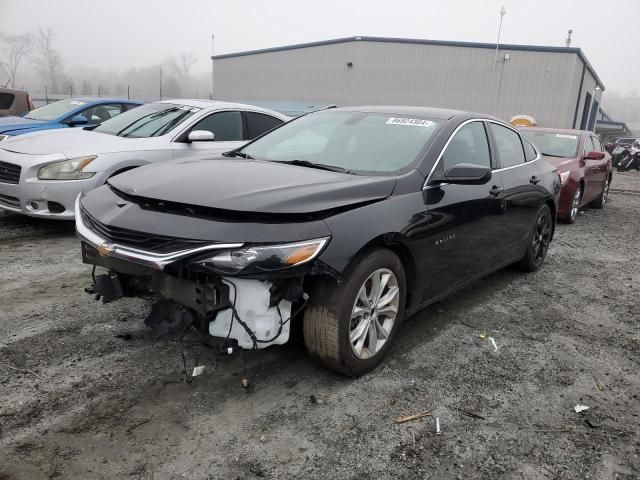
x=460 y=286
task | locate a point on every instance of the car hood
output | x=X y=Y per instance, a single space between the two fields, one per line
x=559 y=162
x=71 y=142
x=251 y=186
x=8 y=124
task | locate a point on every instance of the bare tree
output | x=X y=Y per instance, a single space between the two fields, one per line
x=181 y=68
x=14 y=51
x=46 y=59
x=186 y=61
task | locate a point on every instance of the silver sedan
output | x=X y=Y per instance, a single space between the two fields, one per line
x=41 y=174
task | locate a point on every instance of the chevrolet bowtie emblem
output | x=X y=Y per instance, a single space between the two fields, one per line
x=104 y=250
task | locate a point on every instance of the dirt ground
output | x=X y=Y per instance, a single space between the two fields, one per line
x=88 y=392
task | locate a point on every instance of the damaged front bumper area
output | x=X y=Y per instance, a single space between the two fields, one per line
x=192 y=288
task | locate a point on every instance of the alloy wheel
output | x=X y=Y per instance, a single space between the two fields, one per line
x=374 y=313
x=575 y=204
x=541 y=236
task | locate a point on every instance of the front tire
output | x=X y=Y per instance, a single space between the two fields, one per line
x=349 y=326
x=539 y=241
x=575 y=206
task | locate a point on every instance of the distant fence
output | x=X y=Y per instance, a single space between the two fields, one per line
x=40 y=99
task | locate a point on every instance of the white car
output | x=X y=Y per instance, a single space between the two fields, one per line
x=41 y=174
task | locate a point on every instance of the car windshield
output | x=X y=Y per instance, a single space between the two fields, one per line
x=54 y=110
x=151 y=120
x=356 y=142
x=555 y=144
x=625 y=141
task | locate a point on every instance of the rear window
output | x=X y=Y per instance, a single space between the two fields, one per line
x=555 y=144
x=6 y=100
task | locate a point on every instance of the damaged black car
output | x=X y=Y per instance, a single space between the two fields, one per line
x=347 y=220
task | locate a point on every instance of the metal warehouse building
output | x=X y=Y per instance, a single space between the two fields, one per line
x=556 y=85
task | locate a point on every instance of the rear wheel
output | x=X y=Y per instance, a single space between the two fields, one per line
x=539 y=241
x=349 y=326
x=575 y=206
x=601 y=201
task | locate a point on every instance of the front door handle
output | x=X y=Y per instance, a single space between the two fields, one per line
x=535 y=180
x=496 y=190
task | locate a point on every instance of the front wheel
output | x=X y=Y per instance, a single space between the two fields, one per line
x=575 y=206
x=349 y=326
x=539 y=241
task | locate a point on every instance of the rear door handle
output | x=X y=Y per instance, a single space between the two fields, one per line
x=535 y=180
x=496 y=190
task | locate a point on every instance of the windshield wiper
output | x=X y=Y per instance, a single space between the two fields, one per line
x=237 y=153
x=319 y=166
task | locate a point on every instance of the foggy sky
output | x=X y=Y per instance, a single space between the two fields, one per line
x=119 y=34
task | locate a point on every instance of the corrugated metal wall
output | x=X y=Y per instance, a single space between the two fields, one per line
x=535 y=83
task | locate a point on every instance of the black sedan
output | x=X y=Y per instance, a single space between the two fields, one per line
x=347 y=220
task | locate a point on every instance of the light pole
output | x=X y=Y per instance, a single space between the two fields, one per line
x=503 y=12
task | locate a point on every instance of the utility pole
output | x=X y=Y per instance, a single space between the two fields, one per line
x=213 y=70
x=568 y=41
x=503 y=12
x=128 y=97
x=160 y=83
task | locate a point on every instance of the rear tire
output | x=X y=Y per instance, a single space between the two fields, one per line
x=340 y=330
x=539 y=241
x=601 y=201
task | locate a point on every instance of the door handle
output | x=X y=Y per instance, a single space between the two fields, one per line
x=535 y=180
x=496 y=190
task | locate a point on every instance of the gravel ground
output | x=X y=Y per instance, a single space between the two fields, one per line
x=86 y=391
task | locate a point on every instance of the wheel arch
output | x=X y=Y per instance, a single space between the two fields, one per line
x=398 y=244
x=123 y=169
x=554 y=214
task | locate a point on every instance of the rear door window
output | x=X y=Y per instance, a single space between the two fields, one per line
x=225 y=126
x=469 y=145
x=508 y=144
x=6 y=100
x=259 y=123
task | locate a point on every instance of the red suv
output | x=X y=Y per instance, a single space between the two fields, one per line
x=584 y=167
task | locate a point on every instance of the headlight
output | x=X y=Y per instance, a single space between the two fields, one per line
x=262 y=258
x=564 y=177
x=67 y=169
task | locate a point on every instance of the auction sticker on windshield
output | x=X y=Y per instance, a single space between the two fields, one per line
x=564 y=135
x=414 y=122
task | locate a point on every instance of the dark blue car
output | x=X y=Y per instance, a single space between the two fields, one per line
x=72 y=112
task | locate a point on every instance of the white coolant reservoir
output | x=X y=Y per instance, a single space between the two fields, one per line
x=252 y=306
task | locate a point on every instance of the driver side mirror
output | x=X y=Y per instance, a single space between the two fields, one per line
x=201 y=136
x=463 y=174
x=594 y=155
x=78 y=120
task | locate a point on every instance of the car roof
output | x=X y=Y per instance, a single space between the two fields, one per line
x=106 y=99
x=219 y=105
x=437 y=113
x=568 y=131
